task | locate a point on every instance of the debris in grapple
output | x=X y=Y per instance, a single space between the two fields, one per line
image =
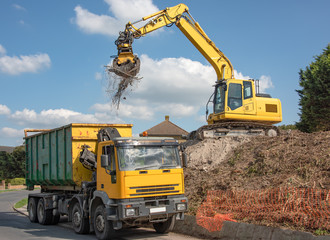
x=127 y=69
x=121 y=78
x=124 y=69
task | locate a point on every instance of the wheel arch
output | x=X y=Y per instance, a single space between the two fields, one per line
x=99 y=198
x=75 y=199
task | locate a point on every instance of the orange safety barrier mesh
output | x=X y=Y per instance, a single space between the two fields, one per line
x=305 y=207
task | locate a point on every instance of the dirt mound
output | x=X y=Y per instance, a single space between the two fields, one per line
x=293 y=159
x=208 y=154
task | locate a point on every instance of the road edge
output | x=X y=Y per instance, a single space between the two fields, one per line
x=230 y=230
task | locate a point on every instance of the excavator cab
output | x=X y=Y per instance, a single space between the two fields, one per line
x=238 y=102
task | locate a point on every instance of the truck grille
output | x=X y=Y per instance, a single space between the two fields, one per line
x=157 y=189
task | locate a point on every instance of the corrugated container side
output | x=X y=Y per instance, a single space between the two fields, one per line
x=49 y=158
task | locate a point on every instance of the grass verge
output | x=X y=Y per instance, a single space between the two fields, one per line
x=9 y=190
x=21 y=203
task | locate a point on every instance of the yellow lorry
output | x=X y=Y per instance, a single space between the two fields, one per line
x=238 y=107
x=103 y=179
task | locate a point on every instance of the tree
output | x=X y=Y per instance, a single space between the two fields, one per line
x=12 y=165
x=315 y=94
x=17 y=166
x=4 y=160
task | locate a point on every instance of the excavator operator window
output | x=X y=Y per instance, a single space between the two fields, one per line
x=219 y=99
x=234 y=96
x=247 y=89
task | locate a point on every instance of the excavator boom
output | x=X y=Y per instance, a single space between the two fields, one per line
x=178 y=15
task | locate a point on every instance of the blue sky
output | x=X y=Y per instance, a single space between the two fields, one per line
x=52 y=57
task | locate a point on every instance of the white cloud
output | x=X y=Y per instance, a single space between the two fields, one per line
x=23 y=64
x=18 y=7
x=57 y=117
x=123 y=11
x=265 y=82
x=178 y=110
x=175 y=81
x=25 y=116
x=138 y=110
x=51 y=117
x=4 y=110
x=47 y=119
x=2 y=50
x=96 y=24
x=175 y=86
x=11 y=132
x=239 y=75
x=131 y=10
x=98 y=76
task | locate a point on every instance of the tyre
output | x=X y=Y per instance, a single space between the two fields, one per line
x=56 y=219
x=165 y=227
x=79 y=223
x=44 y=216
x=102 y=227
x=32 y=206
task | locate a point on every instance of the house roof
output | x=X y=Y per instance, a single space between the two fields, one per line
x=166 y=128
x=6 y=149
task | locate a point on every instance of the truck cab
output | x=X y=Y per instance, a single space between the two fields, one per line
x=142 y=179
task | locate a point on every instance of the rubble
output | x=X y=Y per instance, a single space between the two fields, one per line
x=293 y=159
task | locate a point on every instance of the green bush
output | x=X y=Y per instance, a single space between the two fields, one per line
x=287 y=127
x=16 y=181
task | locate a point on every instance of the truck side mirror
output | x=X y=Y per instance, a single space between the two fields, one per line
x=184 y=159
x=104 y=161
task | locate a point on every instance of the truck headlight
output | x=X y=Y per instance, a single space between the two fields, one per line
x=181 y=207
x=130 y=212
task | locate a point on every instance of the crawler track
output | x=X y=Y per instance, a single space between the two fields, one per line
x=233 y=129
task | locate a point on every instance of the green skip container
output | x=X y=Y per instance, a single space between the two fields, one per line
x=52 y=156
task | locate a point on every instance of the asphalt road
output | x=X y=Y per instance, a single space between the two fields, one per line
x=16 y=226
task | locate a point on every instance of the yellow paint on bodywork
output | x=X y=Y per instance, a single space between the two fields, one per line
x=86 y=134
x=160 y=181
x=254 y=109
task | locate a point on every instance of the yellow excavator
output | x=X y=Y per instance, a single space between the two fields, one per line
x=238 y=107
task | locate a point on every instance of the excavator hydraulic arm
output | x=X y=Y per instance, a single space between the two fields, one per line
x=126 y=62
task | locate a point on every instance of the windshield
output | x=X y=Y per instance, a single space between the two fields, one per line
x=219 y=99
x=143 y=158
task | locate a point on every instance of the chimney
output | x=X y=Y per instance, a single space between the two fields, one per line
x=167 y=118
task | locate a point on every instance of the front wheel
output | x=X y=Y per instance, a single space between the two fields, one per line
x=103 y=228
x=165 y=227
x=79 y=223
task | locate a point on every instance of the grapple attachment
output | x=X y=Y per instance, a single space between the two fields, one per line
x=124 y=68
x=126 y=64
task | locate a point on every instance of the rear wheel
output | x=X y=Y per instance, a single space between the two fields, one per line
x=103 y=228
x=79 y=223
x=32 y=206
x=44 y=216
x=165 y=227
x=56 y=219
